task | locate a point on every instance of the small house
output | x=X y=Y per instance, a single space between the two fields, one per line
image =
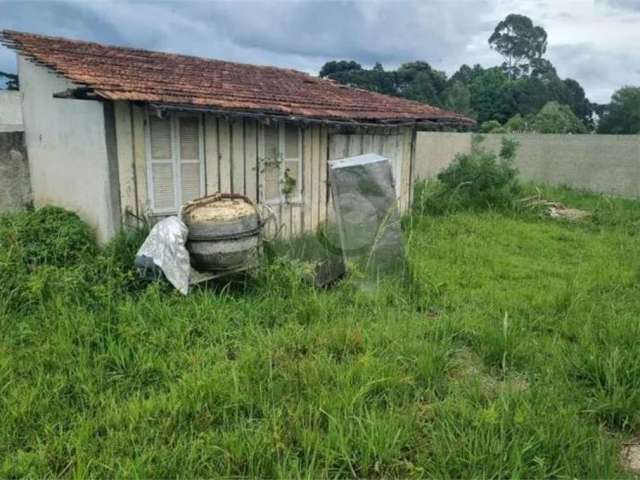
x=119 y=134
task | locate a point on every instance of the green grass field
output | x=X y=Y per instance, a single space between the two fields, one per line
x=515 y=353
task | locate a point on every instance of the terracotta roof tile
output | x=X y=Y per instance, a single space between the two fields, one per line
x=118 y=73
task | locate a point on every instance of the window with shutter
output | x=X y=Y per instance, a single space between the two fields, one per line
x=163 y=195
x=160 y=138
x=281 y=170
x=189 y=138
x=271 y=165
x=175 y=164
x=163 y=187
x=291 y=183
x=190 y=180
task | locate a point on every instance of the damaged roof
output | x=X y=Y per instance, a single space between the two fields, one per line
x=117 y=73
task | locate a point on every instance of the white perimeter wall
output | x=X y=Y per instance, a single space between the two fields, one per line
x=600 y=163
x=66 y=147
x=10 y=111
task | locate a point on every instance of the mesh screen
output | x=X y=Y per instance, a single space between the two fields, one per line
x=366 y=210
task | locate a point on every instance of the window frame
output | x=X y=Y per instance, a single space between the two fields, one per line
x=175 y=161
x=294 y=198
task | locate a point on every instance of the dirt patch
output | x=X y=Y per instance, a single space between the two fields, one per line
x=631 y=456
x=467 y=365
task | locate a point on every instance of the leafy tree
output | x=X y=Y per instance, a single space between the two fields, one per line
x=374 y=80
x=492 y=126
x=622 y=115
x=458 y=99
x=527 y=95
x=419 y=81
x=518 y=124
x=578 y=102
x=517 y=90
x=557 y=118
x=339 y=66
x=466 y=74
x=489 y=96
x=415 y=80
x=520 y=42
x=11 y=81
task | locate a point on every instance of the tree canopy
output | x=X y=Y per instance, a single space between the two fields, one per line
x=518 y=89
x=336 y=66
x=520 y=42
x=622 y=115
x=556 y=118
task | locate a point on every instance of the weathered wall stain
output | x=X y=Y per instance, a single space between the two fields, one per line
x=15 y=191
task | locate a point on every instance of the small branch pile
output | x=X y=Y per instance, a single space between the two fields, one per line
x=555 y=210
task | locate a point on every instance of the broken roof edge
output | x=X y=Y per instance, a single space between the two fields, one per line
x=439 y=119
x=426 y=123
x=86 y=93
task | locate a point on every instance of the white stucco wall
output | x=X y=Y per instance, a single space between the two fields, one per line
x=10 y=111
x=67 y=149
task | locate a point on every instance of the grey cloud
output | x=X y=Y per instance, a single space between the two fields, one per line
x=633 y=5
x=599 y=72
x=299 y=34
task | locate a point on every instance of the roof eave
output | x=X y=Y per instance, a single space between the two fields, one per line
x=266 y=115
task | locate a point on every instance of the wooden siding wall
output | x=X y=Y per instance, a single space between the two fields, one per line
x=232 y=153
x=131 y=160
x=232 y=156
x=397 y=146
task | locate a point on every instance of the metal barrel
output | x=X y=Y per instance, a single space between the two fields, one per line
x=224 y=233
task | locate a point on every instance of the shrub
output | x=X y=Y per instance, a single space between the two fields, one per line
x=50 y=254
x=47 y=236
x=557 y=118
x=492 y=126
x=477 y=180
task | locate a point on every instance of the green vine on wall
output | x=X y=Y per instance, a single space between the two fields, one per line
x=287 y=183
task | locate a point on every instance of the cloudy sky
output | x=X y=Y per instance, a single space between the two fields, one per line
x=593 y=41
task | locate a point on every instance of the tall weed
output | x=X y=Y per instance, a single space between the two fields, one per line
x=475 y=181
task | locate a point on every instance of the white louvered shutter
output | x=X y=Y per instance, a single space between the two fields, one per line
x=292 y=161
x=271 y=167
x=163 y=187
x=190 y=164
x=160 y=138
x=162 y=174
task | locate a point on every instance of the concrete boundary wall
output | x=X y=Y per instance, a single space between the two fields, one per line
x=11 y=111
x=15 y=186
x=600 y=163
x=15 y=189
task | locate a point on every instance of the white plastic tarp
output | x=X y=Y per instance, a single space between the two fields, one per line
x=165 y=245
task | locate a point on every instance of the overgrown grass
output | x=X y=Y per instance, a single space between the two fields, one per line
x=519 y=357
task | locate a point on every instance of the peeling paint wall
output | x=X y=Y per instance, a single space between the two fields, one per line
x=67 y=148
x=600 y=163
x=15 y=190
